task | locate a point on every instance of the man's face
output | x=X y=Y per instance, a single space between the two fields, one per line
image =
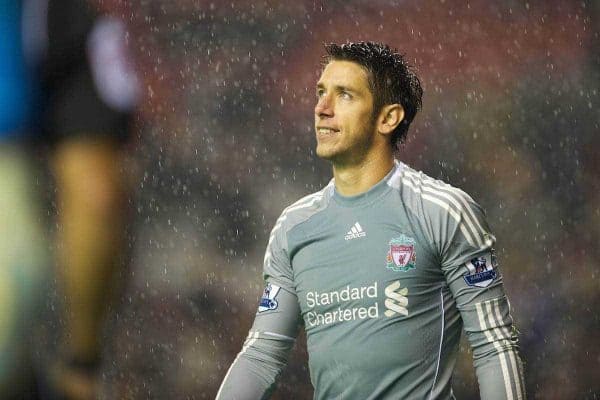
x=344 y=113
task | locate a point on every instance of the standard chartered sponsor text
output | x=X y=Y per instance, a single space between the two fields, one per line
x=341 y=314
x=338 y=296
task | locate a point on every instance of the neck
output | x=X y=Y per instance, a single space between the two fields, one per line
x=354 y=179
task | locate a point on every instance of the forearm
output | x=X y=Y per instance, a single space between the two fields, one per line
x=253 y=373
x=495 y=346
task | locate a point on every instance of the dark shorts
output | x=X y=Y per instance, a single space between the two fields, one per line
x=72 y=105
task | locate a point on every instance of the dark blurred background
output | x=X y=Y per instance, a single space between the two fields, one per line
x=222 y=140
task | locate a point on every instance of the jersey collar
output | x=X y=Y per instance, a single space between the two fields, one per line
x=377 y=190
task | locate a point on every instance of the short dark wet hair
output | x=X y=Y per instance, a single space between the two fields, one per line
x=391 y=79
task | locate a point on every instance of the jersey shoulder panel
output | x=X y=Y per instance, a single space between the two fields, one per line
x=277 y=265
x=306 y=207
x=446 y=214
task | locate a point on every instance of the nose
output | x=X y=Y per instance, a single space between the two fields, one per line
x=324 y=107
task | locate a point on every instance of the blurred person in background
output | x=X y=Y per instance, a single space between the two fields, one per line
x=89 y=91
x=384 y=266
x=24 y=260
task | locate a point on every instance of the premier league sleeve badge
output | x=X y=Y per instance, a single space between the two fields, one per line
x=481 y=270
x=268 y=301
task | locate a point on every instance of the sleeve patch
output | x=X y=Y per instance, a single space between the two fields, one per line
x=268 y=300
x=481 y=270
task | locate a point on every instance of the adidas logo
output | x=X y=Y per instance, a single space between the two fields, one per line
x=355 y=232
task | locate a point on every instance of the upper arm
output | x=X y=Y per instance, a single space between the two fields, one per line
x=466 y=246
x=278 y=311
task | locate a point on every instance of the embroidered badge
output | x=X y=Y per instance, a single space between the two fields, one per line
x=268 y=302
x=401 y=256
x=482 y=270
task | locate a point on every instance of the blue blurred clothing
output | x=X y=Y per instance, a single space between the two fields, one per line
x=17 y=78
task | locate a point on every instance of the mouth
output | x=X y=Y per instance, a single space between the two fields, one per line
x=322 y=131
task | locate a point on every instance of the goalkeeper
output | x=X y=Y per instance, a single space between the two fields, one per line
x=384 y=266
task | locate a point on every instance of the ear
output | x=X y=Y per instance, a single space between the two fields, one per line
x=389 y=118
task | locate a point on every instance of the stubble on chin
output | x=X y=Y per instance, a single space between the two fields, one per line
x=323 y=153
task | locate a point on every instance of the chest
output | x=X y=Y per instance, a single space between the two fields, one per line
x=348 y=262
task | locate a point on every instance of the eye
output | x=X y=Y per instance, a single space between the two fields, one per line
x=320 y=93
x=345 y=95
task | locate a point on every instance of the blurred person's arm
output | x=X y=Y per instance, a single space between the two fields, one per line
x=255 y=370
x=471 y=270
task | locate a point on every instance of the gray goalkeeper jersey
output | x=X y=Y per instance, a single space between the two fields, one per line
x=382 y=283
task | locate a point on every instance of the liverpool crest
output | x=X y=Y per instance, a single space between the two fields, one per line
x=401 y=256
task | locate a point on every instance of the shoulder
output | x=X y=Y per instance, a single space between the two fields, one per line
x=304 y=208
x=438 y=203
x=422 y=187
